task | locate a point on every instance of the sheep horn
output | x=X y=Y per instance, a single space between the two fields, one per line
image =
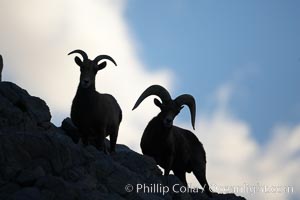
x=101 y=57
x=188 y=100
x=157 y=90
x=82 y=53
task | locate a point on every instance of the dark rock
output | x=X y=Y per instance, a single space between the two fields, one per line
x=48 y=195
x=21 y=112
x=70 y=129
x=76 y=172
x=30 y=193
x=57 y=186
x=9 y=188
x=40 y=161
x=27 y=177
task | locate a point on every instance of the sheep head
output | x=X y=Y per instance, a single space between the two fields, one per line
x=89 y=68
x=169 y=108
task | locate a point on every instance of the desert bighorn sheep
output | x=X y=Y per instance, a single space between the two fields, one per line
x=95 y=115
x=172 y=147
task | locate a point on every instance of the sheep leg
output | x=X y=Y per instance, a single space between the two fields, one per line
x=100 y=142
x=167 y=172
x=84 y=140
x=166 y=175
x=181 y=176
x=169 y=163
x=200 y=173
x=168 y=168
x=113 y=140
x=84 y=137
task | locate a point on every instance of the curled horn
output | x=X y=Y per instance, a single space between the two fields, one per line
x=101 y=57
x=82 y=53
x=188 y=100
x=157 y=90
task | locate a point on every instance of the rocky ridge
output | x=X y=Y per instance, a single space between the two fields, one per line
x=39 y=161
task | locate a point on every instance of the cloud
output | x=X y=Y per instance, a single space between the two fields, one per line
x=36 y=36
x=237 y=163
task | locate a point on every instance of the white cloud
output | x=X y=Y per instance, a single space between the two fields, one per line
x=36 y=36
x=236 y=159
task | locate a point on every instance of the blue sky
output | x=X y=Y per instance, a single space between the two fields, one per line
x=254 y=44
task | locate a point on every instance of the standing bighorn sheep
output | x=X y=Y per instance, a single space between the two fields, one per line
x=95 y=115
x=172 y=147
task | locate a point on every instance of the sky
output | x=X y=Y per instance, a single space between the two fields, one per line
x=254 y=44
x=239 y=59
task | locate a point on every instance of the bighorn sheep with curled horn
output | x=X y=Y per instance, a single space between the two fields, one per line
x=172 y=147
x=95 y=115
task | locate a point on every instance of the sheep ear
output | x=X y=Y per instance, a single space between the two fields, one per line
x=157 y=103
x=102 y=65
x=78 y=61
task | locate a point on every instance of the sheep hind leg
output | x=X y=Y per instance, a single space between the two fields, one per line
x=200 y=173
x=100 y=142
x=168 y=168
x=181 y=176
x=113 y=140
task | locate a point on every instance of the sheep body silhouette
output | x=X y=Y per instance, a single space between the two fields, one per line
x=95 y=115
x=172 y=147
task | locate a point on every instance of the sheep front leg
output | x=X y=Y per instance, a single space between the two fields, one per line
x=113 y=140
x=167 y=171
x=84 y=137
x=100 y=141
x=168 y=167
x=181 y=175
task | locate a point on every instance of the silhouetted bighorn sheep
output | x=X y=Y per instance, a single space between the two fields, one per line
x=95 y=115
x=172 y=147
x=1 y=67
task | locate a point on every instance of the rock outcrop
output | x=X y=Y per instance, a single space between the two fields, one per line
x=39 y=161
x=21 y=112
